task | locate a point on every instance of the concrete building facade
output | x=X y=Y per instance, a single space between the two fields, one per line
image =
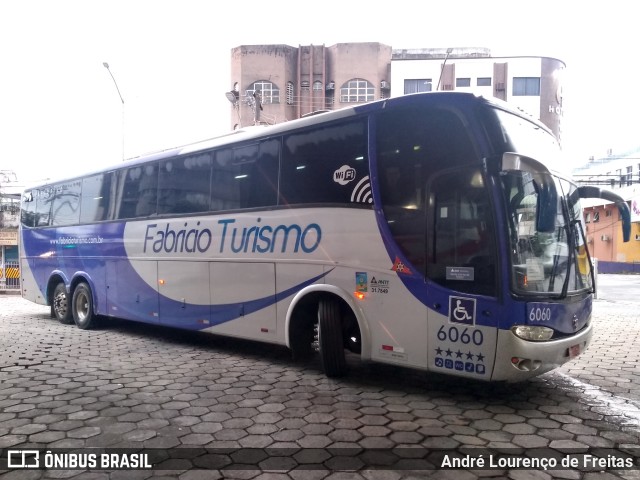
x=532 y=84
x=296 y=81
x=293 y=82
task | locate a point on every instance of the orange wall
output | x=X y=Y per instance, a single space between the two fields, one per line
x=609 y=224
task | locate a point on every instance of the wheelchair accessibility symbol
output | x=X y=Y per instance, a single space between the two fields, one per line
x=462 y=310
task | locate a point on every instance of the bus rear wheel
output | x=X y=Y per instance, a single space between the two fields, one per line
x=82 y=307
x=60 y=304
x=330 y=338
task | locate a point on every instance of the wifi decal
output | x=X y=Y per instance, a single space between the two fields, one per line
x=362 y=191
x=344 y=175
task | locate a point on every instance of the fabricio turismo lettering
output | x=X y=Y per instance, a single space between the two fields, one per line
x=255 y=238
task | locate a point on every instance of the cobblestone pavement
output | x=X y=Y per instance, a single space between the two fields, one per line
x=232 y=404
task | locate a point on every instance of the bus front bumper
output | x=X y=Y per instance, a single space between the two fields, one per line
x=518 y=359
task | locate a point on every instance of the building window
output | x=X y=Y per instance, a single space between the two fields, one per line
x=596 y=217
x=526 y=86
x=357 y=90
x=269 y=93
x=484 y=82
x=329 y=101
x=317 y=86
x=418 y=85
x=587 y=217
x=289 y=93
x=463 y=82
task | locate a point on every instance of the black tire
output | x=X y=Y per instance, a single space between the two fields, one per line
x=61 y=305
x=330 y=339
x=82 y=307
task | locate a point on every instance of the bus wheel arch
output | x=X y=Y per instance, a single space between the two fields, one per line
x=326 y=307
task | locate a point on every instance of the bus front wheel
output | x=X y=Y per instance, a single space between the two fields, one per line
x=60 y=304
x=330 y=338
x=82 y=307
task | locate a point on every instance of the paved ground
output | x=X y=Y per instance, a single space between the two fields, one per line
x=232 y=405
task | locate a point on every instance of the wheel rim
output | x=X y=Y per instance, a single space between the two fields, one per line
x=82 y=307
x=60 y=304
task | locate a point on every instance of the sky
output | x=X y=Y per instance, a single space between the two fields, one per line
x=61 y=115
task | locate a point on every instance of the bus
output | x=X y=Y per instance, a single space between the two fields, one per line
x=429 y=231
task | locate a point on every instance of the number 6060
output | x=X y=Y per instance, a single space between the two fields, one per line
x=540 y=314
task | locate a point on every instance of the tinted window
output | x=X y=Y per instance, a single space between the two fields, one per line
x=225 y=194
x=66 y=203
x=434 y=138
x=28 y=209
x=184 y=184
x=137 y=191
x=412 y=145
x=96 y=196
x=461 y=241
x=245 y=177
x=328 y=164
x=44 y=202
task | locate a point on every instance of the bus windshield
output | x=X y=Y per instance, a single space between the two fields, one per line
x=545 y=261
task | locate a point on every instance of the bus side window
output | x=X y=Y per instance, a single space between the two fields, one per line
x=225 y=194
x=324 y=165
x=95 y=200
x=184 y=184
x=246 y=176
x=28 y=210
x=137 y=191
x=264 y=188
x=66 y=203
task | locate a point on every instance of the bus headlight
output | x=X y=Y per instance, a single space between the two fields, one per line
x=533 y=333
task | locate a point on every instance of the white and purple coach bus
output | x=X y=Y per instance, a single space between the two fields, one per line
x=428 y=231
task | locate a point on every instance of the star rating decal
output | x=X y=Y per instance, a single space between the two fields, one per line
x=468 y=362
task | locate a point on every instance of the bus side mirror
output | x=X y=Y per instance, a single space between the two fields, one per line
x=547 y=203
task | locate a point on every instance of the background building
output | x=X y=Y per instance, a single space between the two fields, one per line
x=620 y=173
x=532 y=84
x=294 y=82
x=9 y=219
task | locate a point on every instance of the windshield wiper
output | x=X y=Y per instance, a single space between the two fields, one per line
x=556 y=258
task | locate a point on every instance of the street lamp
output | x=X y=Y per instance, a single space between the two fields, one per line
x=449 y=50
x=106 y=65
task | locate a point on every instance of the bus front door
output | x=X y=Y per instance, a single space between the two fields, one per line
x=462 y=275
